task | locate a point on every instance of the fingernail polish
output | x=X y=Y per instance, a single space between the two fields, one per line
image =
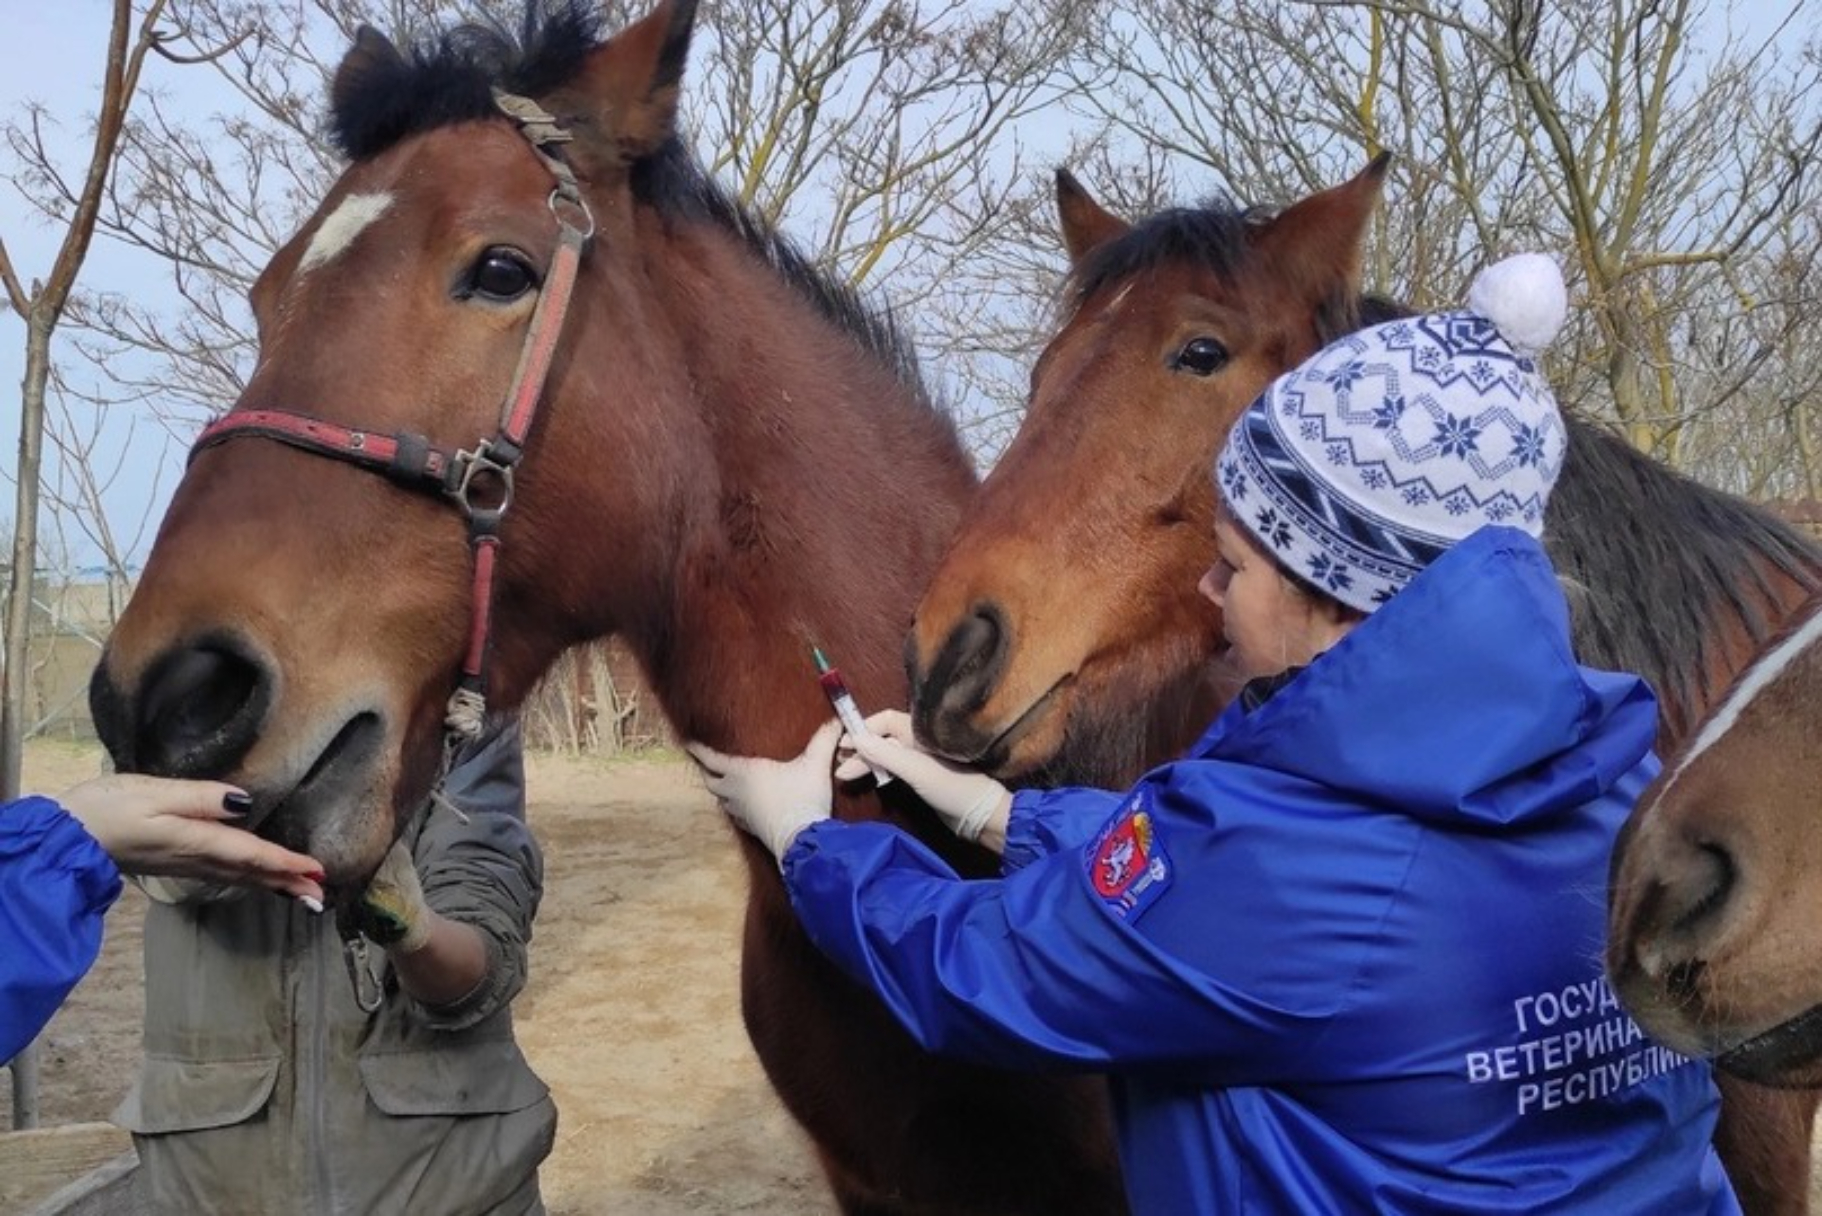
x=318 y=877
x=236 y=803
x=312 y=903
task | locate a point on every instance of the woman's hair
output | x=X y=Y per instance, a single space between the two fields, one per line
x=1302 y=586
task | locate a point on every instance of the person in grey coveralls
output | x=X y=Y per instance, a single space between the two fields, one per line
x=266 y=1089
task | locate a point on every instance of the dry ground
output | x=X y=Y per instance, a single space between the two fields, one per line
x=631 y=1014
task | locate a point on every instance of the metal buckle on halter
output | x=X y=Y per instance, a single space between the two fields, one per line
x=494 y=475
x=565 y=195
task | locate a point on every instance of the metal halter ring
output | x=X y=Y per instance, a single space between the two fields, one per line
x=493 y=475
x=564 y=198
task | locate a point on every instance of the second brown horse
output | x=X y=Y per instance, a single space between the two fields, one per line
x=1063 y=638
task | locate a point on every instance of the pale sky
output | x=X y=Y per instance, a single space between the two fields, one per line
x=55 y=55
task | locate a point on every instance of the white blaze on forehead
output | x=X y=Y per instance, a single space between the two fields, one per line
x=341 y=226
x=1758 y=678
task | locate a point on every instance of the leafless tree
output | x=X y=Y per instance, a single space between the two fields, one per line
x=1658 y=148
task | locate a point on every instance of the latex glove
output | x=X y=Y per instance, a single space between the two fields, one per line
x=773 y=800
x=392 y=912
x=185 y=829
x=969 y=801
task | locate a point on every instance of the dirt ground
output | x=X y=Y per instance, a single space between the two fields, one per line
x=631 y=1014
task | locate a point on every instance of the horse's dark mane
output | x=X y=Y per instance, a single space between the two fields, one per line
x=448 y=78
x=672 y=181
x=1657 y=562
x=1212 y=235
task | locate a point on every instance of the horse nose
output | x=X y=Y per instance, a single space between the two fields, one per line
x=959 y=681
x=196 y=713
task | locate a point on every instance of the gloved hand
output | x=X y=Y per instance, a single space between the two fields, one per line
x=773 y=800
x=392 y=912
x=966 y=799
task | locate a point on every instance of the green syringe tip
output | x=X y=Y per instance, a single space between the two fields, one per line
x=822 y=663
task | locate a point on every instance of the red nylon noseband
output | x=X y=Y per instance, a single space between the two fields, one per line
x=479 y=481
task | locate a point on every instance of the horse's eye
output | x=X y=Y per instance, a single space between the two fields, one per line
x=1201 y=357
x=500 y=275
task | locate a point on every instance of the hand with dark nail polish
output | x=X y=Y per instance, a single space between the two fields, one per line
x=185 y=829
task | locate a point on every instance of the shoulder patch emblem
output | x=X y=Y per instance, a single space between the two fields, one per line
x=1127 y=865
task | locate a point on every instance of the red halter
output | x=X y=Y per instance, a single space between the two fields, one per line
x=478 y=482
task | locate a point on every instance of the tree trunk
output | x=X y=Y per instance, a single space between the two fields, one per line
x=15 y=674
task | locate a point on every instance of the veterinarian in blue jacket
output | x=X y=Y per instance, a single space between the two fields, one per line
x=60 y=864
x=1345 y=955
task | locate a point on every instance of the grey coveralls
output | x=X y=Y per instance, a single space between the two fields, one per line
x=266 y=1090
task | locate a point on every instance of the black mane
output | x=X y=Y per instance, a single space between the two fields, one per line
x=449 y=78
x=674 y=182
x=1657 y=562
x=1214 y=235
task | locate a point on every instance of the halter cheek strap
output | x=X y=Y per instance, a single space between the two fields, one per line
x=478 y=481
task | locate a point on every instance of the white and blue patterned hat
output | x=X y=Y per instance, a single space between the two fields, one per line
x=1359 y=467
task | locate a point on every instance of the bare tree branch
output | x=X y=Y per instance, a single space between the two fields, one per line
x=9 y=278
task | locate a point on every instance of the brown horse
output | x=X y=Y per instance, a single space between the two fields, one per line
x=1062 y=636
x=1711 y=937
x=729 y=458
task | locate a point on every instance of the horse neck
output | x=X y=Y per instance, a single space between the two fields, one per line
x=829 y=495
x=1668 y=578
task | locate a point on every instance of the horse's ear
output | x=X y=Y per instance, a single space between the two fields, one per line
x=1086 y=224
x=1319 y=241
x=633 y=79
x=372 y=58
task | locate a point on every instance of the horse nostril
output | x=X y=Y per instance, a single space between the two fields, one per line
x=961 y=679
x=1700 y=892
x=1680 y=909
x=199 y=711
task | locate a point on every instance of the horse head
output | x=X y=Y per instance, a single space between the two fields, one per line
x=1065 y=622
x=302 y=620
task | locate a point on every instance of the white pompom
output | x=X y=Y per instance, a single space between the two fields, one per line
x=1525 y=299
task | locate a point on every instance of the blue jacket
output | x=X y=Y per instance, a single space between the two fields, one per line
x=56 y=883
x=1345 y=955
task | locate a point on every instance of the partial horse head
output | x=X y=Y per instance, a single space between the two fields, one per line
x=299 y=620
x=1062 y=623
x=302 y=621
x=1712 y=943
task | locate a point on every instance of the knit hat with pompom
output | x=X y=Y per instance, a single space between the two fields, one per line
x=1361 y=466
